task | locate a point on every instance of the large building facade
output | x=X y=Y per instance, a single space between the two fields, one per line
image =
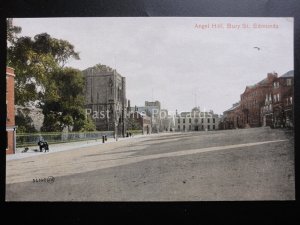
x=105 y=99
x=253 y=99
x=10 y=111
x=196 y=121
x=277 y=110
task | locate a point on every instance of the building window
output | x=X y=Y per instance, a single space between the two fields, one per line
x=289 y=82
x=214 y=127
x=202 y=127
x=208 y=127
x=183 y=120
x=190 y=120
x=183 y=127
x=202 y=120
x=178 y=120
x=208 y=120
x=190 y=127
x=214 y=120
x=278 y=97
x=178 y=127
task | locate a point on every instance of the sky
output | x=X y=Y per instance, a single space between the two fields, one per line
x=182 y=62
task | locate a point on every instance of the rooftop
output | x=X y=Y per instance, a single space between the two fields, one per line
x=234 y=106
x=288 y=74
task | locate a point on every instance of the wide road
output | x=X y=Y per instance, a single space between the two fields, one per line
x=245 y=164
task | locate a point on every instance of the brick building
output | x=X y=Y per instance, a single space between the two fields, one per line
x=253 y=99
x=105 y=91
x=277 y=110
x=232 y=117
x=10 y=109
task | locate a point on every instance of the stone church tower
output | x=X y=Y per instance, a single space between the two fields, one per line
x=105 y=94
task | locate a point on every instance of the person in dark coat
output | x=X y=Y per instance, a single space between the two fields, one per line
x=40 y=144
x=46 y=146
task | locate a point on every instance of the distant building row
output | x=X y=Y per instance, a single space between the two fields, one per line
x=155 y=119
x=267 y=103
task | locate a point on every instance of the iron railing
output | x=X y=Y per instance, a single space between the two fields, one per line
x=31 y=139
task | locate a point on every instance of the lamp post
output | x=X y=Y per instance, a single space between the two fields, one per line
x=117 y=117
x=116 y=131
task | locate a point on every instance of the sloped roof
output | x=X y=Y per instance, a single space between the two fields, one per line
x=288 y=74
x=264 y=81
x=233 y=107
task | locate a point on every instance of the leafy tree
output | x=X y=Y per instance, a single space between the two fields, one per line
x=133 y=124
x=12 y=31
x=65 y=102
x=39 y=63
x=34 y=60
x=24 y=124
x=133 y=121
x=51 y=122
x=89 y=124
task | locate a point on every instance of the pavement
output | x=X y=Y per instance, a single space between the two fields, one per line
x=53 y=148
x=231 y=165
